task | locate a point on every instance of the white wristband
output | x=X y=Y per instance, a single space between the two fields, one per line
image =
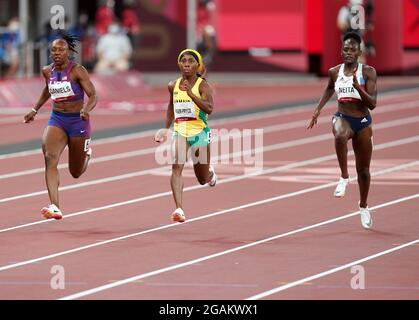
x=34 y=110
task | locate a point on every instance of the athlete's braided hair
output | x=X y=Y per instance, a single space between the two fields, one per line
x=69 y=38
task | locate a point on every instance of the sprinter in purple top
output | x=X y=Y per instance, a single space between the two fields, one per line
x=65 y=82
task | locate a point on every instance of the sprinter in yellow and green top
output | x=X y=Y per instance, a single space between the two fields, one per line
x=189 y=106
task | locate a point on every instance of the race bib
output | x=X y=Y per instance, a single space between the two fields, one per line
x=184 y=110
x=60 y=89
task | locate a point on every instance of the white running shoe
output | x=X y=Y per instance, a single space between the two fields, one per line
x=341 y=187
x=366 y=219
x=213 y=181
x=89 y=153
x=178 y=215
x=52 y=211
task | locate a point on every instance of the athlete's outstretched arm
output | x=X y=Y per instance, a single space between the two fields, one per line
x=161 y=134
x=369 y=95
x=170 y=115
x=327 y=94
x=45 y=95
x=86 y=84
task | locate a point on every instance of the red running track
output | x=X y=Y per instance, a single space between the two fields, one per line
x=274 y=234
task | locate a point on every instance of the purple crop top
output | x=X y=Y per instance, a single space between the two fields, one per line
x=62 y=88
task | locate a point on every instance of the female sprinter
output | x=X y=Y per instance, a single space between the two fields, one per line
x=356 y=88
x=189 y=106
x=65 y=82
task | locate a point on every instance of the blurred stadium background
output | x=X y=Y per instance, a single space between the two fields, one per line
x=262 y=42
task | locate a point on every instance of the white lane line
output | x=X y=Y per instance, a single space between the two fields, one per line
x=19 y=120
x=227 y=180
x=17 y=116
x=231 y=179
x=267 y=148
x=150 y=133
x=278 y=146
x=225 y=252
x=213 y=214
x=328 y=272
x=147 y=151
x=251 y=117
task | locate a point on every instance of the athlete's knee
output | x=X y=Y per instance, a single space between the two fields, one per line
x=75 y=173
x=341 y=138
x=51 y=158
x=202 y=180
x=177 y=170
x=363 y=173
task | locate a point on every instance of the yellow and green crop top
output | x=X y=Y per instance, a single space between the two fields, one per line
x=190 y=120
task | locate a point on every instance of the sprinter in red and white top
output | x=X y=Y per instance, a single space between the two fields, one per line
x=356 y=88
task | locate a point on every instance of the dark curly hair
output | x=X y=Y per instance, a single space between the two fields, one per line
x=352 y=35
x=69 y=38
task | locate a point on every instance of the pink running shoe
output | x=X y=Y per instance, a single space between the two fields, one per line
x=52 y=211
x=178 y=215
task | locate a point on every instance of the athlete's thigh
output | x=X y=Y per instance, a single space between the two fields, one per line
x=341 y=127
x=180 y=147
x=54 y=140
x=362 y=145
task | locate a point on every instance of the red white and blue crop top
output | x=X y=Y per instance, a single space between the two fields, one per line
x=62 y=88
